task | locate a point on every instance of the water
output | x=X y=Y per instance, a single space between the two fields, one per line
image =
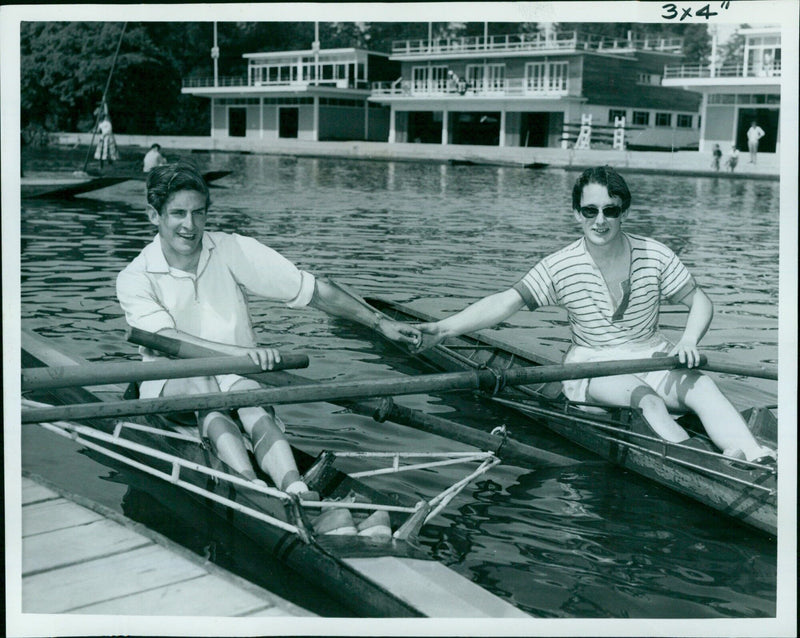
x=586 y=541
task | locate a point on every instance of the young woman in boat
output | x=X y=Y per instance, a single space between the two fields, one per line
x=192 y=284
x=611 y=284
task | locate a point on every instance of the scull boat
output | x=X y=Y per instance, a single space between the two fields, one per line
x=384 y=576
x=743 y=490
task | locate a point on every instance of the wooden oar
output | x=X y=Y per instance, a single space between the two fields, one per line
x=757 y=370
x=126 y=371
x=503 y=446
x=430 y=383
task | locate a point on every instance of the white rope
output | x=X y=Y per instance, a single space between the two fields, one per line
x=173 y=478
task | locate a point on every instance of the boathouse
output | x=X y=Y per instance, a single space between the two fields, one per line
x=734 y=95
x=316 y=94
x=551 y=89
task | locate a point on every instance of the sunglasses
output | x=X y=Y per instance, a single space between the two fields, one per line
x=590 y=212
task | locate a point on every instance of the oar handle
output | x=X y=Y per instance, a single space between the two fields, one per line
x=183 y=350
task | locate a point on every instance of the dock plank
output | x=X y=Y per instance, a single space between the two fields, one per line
x=113 y=565
x=48 y=516
x=33 y=492
x=205 y=596
x=67 y=588
x=62 y=547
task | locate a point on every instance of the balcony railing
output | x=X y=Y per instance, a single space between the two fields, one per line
x=519 y=87
x=203 y=82
x=565 y=41
x=728 y=71
x=232 y=81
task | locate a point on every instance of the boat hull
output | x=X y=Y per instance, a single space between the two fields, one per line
x=693 y=468
x=344 y=566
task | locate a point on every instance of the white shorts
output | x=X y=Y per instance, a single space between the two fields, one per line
x=575 y=389
x=153 y=388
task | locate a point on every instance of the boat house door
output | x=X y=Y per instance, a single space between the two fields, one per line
x=288 y=119
x=237 y=122
x=767 y=119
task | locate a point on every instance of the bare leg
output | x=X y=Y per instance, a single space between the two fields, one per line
x=721 y=420
x=224 y=434
x=629 y=390
x=270 y=447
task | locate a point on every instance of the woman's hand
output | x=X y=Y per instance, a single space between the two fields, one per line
x=398 y=331
x=687 y=352
x=431 y=333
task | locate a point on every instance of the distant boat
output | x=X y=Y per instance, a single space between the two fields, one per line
x=56 y=185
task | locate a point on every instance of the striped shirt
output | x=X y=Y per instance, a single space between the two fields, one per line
x=570 y=278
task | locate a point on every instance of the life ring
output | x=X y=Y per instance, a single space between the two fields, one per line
x=462 y=86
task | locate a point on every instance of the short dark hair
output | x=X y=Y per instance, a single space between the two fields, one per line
x=163 y=181
x=605 y=176
x=158 y=146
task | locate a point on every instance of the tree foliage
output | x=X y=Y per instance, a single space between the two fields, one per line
x=65 y=65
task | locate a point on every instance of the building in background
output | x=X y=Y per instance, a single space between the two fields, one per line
x=537 y=90
x=737 y=94
x=316 y=94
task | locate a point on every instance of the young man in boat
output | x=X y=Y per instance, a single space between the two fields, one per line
x=611 y=284
x=192 y=284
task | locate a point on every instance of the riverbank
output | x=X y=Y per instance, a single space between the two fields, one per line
x=691 y=163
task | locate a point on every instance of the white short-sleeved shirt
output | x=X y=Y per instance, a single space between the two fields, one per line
x=571 y=279
x=211 y=303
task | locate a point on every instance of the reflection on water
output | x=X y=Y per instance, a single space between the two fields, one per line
x=585 y=541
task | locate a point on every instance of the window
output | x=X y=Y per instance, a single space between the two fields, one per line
x=613 y=114
x=429 y=78
x=649 y=78
x=663 y=119
x=642 y=118
x=684 y=121
x=548 y=77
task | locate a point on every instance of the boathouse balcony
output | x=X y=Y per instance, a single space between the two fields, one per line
x=527 y=43
x=301 y=70
x=759 y=72
x=495 y=87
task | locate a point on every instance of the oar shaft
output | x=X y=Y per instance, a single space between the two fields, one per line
x=126 y=371
x=476 y=380
x=743 y=370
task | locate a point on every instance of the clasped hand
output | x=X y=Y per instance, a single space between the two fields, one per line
x=687 y=353
x=264 y=358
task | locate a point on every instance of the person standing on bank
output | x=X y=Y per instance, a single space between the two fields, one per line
x=192 y=284
x=611 y=284
x=754 y=135
x=716 y=155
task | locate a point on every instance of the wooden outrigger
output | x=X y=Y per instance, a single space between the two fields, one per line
x=742 y=490
x=374 y=576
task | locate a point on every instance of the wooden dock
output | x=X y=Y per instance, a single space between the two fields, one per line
x=81 y=557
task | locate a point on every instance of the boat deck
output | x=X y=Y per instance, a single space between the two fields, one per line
x=81 y=557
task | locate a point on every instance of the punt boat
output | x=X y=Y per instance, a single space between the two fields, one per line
x=62 y=185
x=743 y=490
x=388 y=575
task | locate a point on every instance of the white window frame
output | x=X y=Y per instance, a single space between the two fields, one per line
x=546 y=77
x=429 y=79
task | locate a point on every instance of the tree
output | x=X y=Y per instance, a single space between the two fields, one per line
x=66 y=67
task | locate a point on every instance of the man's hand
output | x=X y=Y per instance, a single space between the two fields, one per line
x=265 y=358
x=687 y=352
x=398 y=331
